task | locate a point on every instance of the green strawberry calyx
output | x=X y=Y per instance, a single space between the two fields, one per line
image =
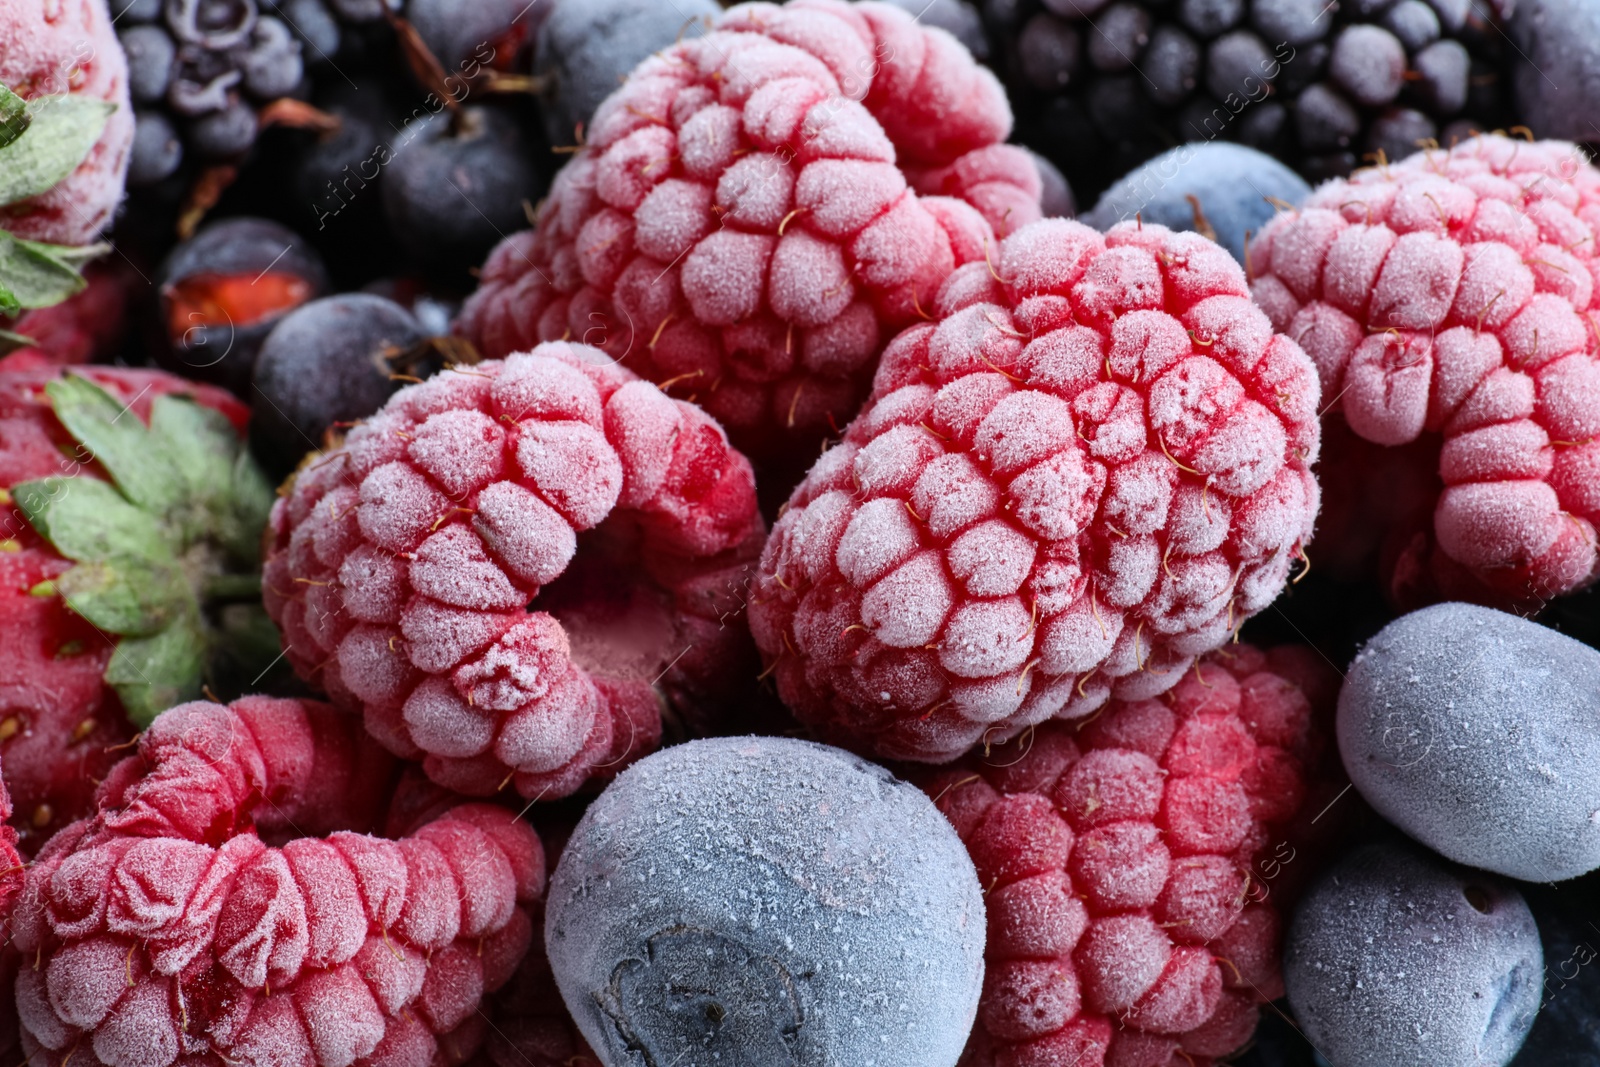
x=167 y=552
x=42 y=141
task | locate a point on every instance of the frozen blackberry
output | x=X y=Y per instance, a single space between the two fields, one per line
x=1101 y=87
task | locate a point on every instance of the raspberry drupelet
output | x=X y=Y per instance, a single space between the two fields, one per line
x=402 y=565
x=228 y=904
x=1131 y=866
x=757 y=210
x=1448 y=301
x=1090 y=468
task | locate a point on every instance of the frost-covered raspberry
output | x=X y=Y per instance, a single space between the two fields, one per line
x=1130 y=867
x=227 y=905
x=402 y=566
x=1091 y=468
x=757 y=210
x=1446 y=302
x=49 y=49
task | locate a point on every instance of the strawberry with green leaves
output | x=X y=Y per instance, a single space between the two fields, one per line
x=129 y=546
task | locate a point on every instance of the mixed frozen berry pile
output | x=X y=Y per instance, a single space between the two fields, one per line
x=613 y=533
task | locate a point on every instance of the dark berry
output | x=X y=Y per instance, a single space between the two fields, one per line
x=201 y=81
x=1225 y=191
x=313 y=24
x=1368 y=63
x=271 y=64
x=1553 y=70
x=1048 y=52
x=466 y=34
x=1103 y=85
x=157 y=149
x=1566 y=1032
x=586 y=47
x=150 y=57
x=228 y=131
x=1398 y=959
x=363 y=10
x=223 y=290
x=1173 y=65
x=1414 y=23
x=458 y=185
x=1295 y=22
x=324 y=363
x=215 y=24
x=1118 y=35
x=1209 y=18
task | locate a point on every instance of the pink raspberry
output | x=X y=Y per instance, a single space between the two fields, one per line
x=225 y=906
x=401 y=567
x=1092 y=467
x=1446 y=301
x=757 y=210
x=69 y=46
x=1129 y=866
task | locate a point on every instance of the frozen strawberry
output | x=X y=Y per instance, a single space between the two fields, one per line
x=1131 y=866
x=66 y=50
x=404 y=565
x=84 y=328
x=1446 y=302
x=131 y=522
x=1090 y=468
x=757 y=210
x=229 y=903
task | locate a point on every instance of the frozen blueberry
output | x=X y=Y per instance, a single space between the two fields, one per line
x=313 y=24
x=1566 y=1032
x=766 y=901
x=1398 y=959
x=1226 y=186
x=214 y=24
x=1555 y=73
x=1075 y=9
x=201 y=80
x=458 y=184
x=228 y=131
x=1368 y=63
x=271 y=65
x=1477 y=733
x=157 y=149
x=325 y=362
x=958 y=18
x=359 y=11
x=586 y=47
x=467 y=34
x=224 y=289
x=150 y=56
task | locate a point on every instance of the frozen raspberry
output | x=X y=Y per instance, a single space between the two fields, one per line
x=228 y=905
x=757 y=210
x=1091 y=468
x=1130 y=867
x=49 y=49
x=402 y=566
x=1445 y=301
